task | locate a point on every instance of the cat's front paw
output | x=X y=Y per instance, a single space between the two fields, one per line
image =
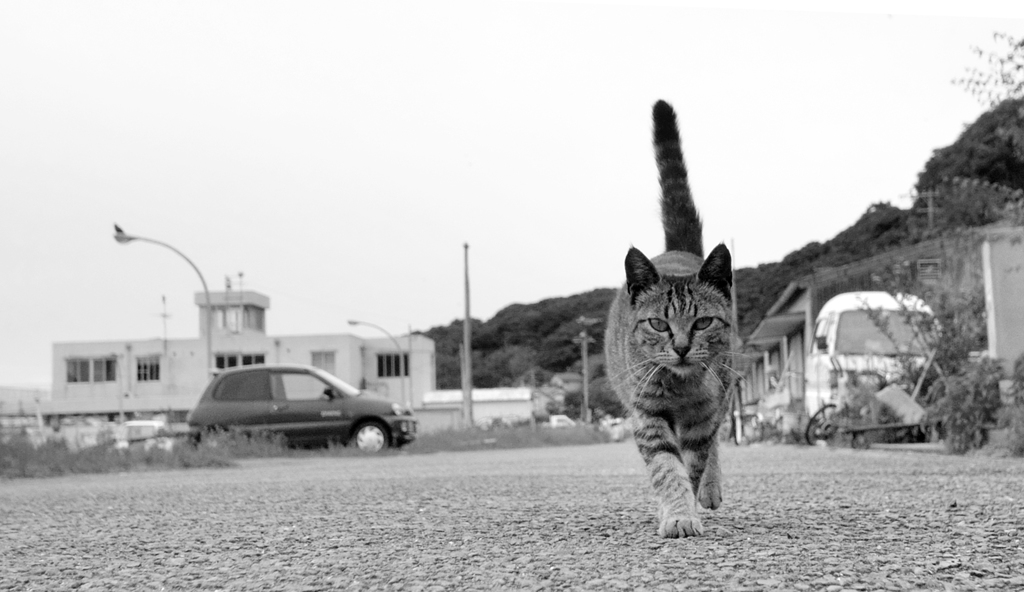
x=673 y=527
x=710 y=495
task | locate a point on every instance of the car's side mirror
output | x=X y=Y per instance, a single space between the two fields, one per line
x=821 y=342
x=329 y=394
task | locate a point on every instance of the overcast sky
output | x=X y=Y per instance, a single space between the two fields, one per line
x=339 y=154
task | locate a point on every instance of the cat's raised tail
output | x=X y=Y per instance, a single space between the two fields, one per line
x=683 y=229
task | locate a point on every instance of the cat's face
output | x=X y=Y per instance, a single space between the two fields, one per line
x=682 y=323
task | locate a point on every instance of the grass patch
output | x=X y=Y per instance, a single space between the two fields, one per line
x=19 y=458
x=263 y=444
x=514 y=437
x=236 y=443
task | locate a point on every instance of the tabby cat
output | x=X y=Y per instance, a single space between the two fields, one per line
x=665 y=348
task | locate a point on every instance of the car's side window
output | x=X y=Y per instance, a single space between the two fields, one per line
x=246 y=386
x=298 y=386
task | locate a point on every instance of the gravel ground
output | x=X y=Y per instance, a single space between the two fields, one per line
x=794 y=518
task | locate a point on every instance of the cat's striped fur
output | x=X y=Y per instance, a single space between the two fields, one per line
x=665 y=348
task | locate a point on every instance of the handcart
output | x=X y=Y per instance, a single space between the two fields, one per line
x=827 y=423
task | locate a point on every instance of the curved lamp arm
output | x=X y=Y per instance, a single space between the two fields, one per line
x=124 y=238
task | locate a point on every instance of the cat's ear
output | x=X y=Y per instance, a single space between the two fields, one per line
x=640 y=273
x=717 y=270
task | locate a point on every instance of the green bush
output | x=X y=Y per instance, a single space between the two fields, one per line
x=966 y=404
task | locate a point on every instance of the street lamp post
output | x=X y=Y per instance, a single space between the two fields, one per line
x=124 y=238
x=402 y=362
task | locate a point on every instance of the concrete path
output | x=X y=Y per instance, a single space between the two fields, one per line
x=794 y=518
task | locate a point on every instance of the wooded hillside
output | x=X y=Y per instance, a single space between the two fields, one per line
x=968 y=183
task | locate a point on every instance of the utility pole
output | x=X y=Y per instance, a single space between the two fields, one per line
x=931 y=209
x=241 y=303
x=467 y=351
x=584 y=340
x=227 y=302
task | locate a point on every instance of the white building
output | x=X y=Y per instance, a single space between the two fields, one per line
x=160 y=376
x=443 y=409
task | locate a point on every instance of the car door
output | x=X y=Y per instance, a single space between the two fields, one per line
x=307 y=409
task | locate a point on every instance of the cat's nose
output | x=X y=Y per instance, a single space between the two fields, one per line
x=682 y=350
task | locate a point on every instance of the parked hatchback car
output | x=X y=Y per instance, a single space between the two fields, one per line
x=305 y=404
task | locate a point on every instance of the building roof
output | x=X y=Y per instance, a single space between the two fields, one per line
x=771 y=329
x=234 y=298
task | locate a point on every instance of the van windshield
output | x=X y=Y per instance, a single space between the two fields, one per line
x=879 y=332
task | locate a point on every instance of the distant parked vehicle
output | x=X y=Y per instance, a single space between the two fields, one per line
x=615 y=427
x=305 y=404
x=561 y=421
x=147 y=433
x=860 y=333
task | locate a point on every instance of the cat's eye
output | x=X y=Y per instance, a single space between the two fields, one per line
x=658 y=325
x=703 y=323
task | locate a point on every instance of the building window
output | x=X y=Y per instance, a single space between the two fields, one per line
x=232 y=360
x=253 y=318
x=148 y=369
x=228 y=317
x=226 y=361
x=323 y=360
x=104 y=370
x=92 y=370
x=233 y=319
x=236 y=318
x=78 y=370
x=392 y=365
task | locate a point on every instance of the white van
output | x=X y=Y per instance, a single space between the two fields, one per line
x=849 y=339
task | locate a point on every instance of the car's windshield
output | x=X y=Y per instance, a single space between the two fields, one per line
x=337 y=383
x=879 y=332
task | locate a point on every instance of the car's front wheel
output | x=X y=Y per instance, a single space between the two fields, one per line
x=371 y=437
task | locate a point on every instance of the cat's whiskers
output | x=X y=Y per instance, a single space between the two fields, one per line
x=715 y=374
x=632 y=370
x=730 y=369
x=739 y=354
x=648 y=376
x=646 y=380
